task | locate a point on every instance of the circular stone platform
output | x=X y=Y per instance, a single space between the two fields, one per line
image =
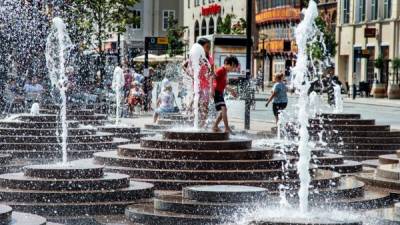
x=225 y=193
x=77 y=189
x=64 y=171
x=8 y=217
x=300 y=221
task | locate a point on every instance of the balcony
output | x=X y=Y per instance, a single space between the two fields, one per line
x=278 y=46
x=278 y=14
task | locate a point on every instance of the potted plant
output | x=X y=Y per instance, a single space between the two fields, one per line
x=379 y=89
x=393 y=87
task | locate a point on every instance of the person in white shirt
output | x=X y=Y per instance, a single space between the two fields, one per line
x=34 y=87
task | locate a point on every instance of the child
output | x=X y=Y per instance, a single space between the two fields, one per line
x=165 y=102
x=220 y=84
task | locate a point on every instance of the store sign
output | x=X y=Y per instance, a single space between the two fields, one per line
x=156 y=43
x=370 y=32
x=211 y=10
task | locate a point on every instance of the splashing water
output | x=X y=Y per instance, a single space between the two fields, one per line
x=117 y=85
x=306 y=33
x=197 y=57
x=338 y=99
x=35 y=109
x=58 y=47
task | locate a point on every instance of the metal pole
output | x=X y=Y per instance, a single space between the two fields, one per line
x=119 y=48
x=249 y=20
x=146 y=70
x=263 y=65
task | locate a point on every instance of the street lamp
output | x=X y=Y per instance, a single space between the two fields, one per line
x=249 y=19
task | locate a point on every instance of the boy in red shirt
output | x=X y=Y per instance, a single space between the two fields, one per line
x=220 y=84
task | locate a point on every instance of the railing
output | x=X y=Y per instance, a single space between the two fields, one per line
x=286 y=13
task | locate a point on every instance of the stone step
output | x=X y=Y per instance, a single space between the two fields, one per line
x=367 y=146
x=109 y=181
x=340 y=116
x=45 y=132
x=99 y=137
x=153 y=153
x=364 y=153
x=195 y=145
x=342 y=122
x=337 y=136
x=55 y=118
x=69 y=112
x=348 y=166
x=374 y=140
x=136 y=190
x=113 y=159
x=389 y=159
x=195 y=136
x=327 y=159
x=51 y=154
x=322 y=179
x=106 y=145
x=346 y=128
x=170 y=122
x=73 y=209
x=146 y=214
x=37 y=125
x=212 y=174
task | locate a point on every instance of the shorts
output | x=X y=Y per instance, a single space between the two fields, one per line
x=276 y=107
x=163 y=111
x=219 y=100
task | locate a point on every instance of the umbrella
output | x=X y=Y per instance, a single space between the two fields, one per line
x=176 y=58
x=152 y=58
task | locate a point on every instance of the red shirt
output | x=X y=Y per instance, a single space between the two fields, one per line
x=221 y=78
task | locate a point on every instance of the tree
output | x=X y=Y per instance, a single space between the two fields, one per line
x=175 y=35
x=225 y=27
x=99 y=18
x=396 y=67
x=327 y=48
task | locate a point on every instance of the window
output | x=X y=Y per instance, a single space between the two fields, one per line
x=204 y=27
x=138 y=15
x=219 y=23
x=188 y=3
x=196 y=30
x=211 y=28
x=196 y=3
x=166 y=15
x=387 y=9
x=374 y=9
x=211 y=1
x=346 y=11
x=361 y=11
x=204 y=2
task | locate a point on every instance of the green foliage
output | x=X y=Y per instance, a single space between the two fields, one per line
x=175 y=35
x=226 y=26
x=396 y=67
x=379 y=62
x=317 y=48
x=239 y=27
x=101 y=17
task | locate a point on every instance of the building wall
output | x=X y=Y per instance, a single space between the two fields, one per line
x=192 y=14
x=151 y=22
x=351 y=37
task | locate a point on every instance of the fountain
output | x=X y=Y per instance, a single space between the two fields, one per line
x=117 y=85
x=58 y=48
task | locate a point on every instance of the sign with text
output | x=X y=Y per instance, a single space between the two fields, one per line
x=156 y=43
x=213 y=9
x=370 y=32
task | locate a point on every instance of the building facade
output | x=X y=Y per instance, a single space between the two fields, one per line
x=202 y=17
x=367 y=30
x=276 y=49
x=154 y=15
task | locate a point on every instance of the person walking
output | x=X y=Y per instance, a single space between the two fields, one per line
x=279 y=96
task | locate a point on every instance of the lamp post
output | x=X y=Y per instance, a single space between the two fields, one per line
x=264 y=54
x=249 y=20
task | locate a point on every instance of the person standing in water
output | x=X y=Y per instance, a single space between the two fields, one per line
x=219 y=86
x=279 y=96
